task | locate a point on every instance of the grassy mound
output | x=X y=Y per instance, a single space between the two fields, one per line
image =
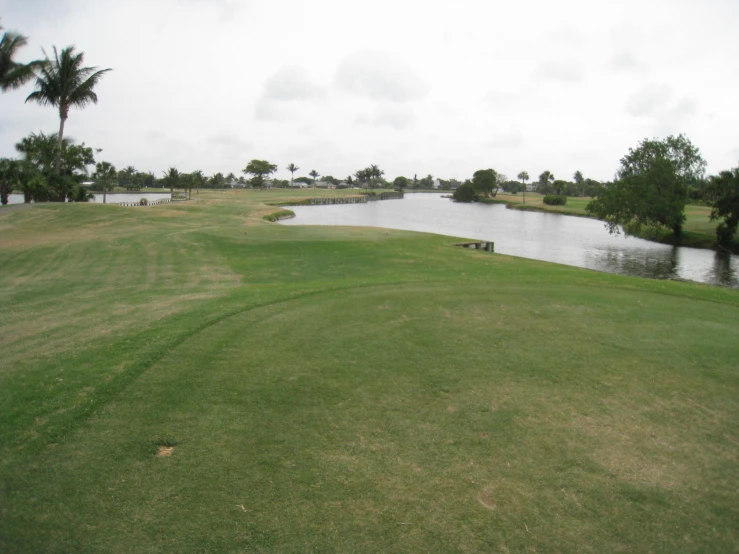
x=192 y=378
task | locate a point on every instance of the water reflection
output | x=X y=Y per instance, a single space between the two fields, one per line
x=567 y=240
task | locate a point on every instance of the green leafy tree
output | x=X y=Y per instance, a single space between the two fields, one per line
x=486 y=182
x=427 y=182
x=400 y=183
x=13 y=74
x=724 y=188
x=63 y=82
x=465 y=192
x=651 y=186
x=40 y=153
x=292 y=168
x=259 y=169
x=105 y=174
x=315 y=175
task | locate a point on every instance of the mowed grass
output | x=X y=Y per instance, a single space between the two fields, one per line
x=349 y=390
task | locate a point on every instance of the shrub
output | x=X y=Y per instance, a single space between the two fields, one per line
x=143 y=202
x=464 y=193
x=555 y=199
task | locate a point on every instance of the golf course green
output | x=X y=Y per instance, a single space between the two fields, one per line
x=192 y=378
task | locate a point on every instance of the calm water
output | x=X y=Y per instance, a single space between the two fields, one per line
x=112 y=198
x=567 y=240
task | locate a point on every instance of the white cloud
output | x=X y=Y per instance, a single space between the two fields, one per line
x=649 y=99
x=379 y=76
x=567 y=71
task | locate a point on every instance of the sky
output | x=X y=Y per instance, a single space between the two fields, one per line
x=415 y=87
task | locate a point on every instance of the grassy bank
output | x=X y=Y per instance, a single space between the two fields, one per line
x=349 y=389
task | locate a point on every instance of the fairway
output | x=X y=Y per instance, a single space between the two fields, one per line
x=325 y=389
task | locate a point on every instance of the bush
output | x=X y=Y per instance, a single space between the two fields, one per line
x=555 y=199
x=143 y=202
x=464 y=193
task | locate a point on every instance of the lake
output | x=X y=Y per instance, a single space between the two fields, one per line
x=568 y=240
x=112 y=198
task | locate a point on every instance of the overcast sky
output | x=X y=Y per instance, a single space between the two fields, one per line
x=440 y=87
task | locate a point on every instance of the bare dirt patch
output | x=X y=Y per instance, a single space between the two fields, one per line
x=486 y=498
x=164 y=451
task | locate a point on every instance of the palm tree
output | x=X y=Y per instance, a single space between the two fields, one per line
x=579 y=180
x=172 y=178
x=9 y=172
x=13 y=74
x=199 y=179
x=292 y=168
x=104 y=173
x=315 y=175
x=40 y=149
x=523 y=177
x=375 y=173
x=63 y=83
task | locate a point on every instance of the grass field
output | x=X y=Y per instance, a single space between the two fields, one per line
x=324 y=389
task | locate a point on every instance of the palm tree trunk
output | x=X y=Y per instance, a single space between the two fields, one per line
x=63 y=112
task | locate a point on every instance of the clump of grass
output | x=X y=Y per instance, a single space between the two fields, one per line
x=278 y=215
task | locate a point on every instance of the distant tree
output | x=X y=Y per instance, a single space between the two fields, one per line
x=63 y=83
x=187 y=181
x=559 y=187
x=172 y=179
x=523 y=177
x=362 y=177
x=724 y=188
x=198 y=179
x=400 y=183
x=13 y=74
x=105 y=174
x=651 y=186
x=304 y=180
x=349 y=181
x=217 y=181
x=545 y=180
x=427 y=182
x=126 y=176
x=315 y=175
x=9 y=178
x=230 y=179
x=580 y=182
x=260 y=169
x=292 y=168
x=375 y=174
